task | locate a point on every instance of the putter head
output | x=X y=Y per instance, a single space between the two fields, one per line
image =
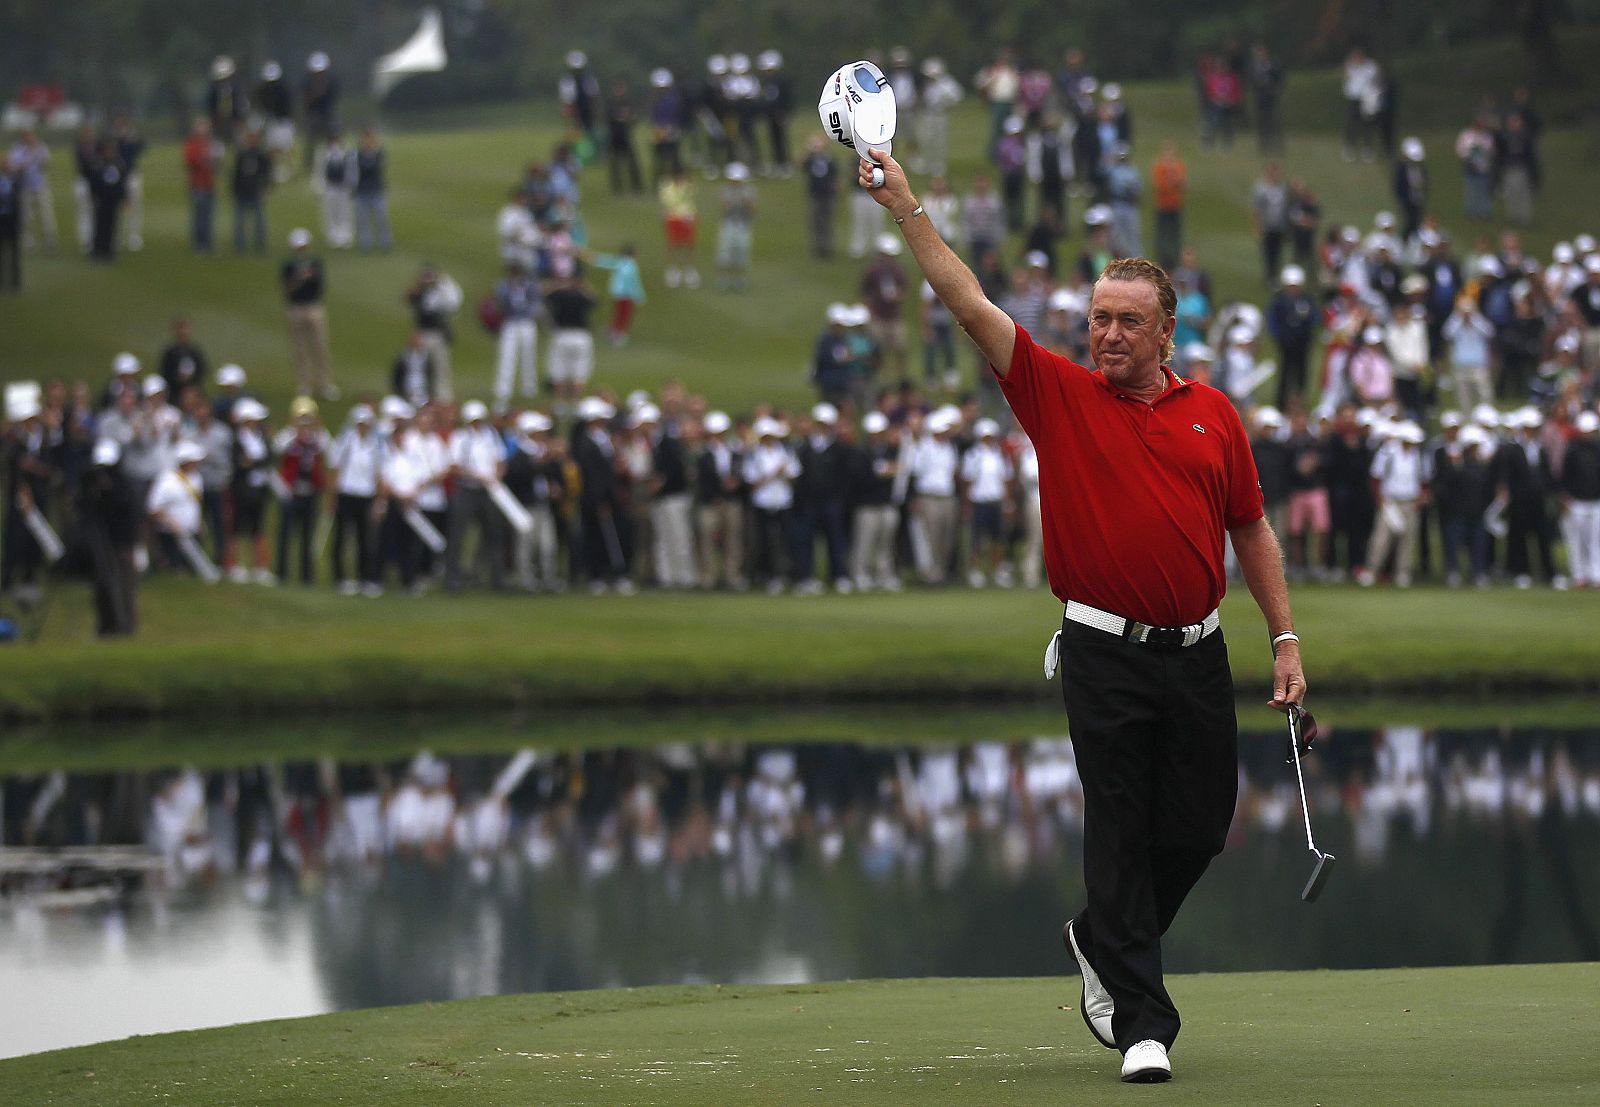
x=1302 y=732
x=1319 y=877
x=857 y=109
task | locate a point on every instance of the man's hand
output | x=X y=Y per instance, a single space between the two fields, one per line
x=896 y=191
x=1288 y=681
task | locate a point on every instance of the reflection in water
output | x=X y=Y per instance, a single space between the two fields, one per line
x=430 y=879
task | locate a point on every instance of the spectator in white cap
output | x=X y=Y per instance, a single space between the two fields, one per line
x=478 y=461
x=1406 y=339
x=821 y=506
x=719 y=519
x=302 y=457
x=671 y=502
x=735 y=235
x=1370 y=372
x=400 y=479
x=174 y=500
x=112 y=520
x=1411 y=187
x=1560 y=371
x=770 y=470
x=535 y=475
x=1523 y=476
x=1236 y=369
x=1199 y=362
x=1400 y=474
x=357 y=457
x=1469 y=335
x=934 y=467
x=986 y=476
x=156 y=426
x=1124 y=188
x=230 y=390
x=595 y=454
x=301 y=278
x=1292 y=318
x=1580 y=495
x=876 y=514
x=579 y=93
x=1564 y=273
x=319 y=99
x=884 y=286
x=252 y=481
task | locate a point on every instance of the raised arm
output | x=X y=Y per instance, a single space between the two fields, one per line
x=989 y=328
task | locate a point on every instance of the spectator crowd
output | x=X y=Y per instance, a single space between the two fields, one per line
x=893 y=476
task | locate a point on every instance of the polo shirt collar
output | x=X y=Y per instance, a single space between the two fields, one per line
x=1175 y=384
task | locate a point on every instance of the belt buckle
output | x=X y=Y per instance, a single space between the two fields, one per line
x=1161 y=638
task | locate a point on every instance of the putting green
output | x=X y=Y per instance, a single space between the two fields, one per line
x=1511 y=1034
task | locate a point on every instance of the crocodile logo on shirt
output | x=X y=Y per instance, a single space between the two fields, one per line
x=1198 y=427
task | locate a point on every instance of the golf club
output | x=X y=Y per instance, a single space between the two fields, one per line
x=857 y=109
x=1302 y=732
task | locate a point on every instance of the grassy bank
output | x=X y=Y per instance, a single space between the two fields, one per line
x=1447 y=1036
x=227 y=653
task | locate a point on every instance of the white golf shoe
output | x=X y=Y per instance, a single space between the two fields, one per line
x=1095 y=1002
x=1146 y=1063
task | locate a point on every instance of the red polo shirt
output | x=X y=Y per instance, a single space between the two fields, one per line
x=1136 y=496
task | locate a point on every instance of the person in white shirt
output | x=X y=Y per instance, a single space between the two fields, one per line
x=934 y=467
x=517 y=232
x=1032 y=556
x=1402 y=488
x=1363 y=100
x=335 y=178
x=771 y=470
x=940 y=93
x=174 y=500
x=478 y=460
x=357 y=458
x=429 y=446
x=987 y=475
x=400 y=479
x=1406 y=338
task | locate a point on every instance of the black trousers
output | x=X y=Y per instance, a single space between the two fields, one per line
x=10 y=254
x=297 y=518
x=1156 y=743
x=354 y=517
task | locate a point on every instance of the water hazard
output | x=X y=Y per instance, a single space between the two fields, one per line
x=134 y=902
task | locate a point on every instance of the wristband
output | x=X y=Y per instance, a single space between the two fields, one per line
x=902 y=218
x=1286 y=636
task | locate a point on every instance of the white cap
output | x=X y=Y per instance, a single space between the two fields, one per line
x=661 y=78
x=1528 y=417
x=361 y=413
x=1372 y=335
x=767 y=427
x=1584 y=244
x=1567 y=344
x=1239 y=335
x=1292 y=274
x=1098 y=215
x=736 y=171
x=474 y=410
x=943 y=421
x=1429 y=237
x=858 y=315
x=1112 y=91
x=717 y=422
x=1384 y=220
x=1448 y=419
x=1414 y=285
x=188 y=453
x=839 y=314
x=393 y=406
x=577 y=59
x=1564 y=254
x=1064 y=299
x=221 y=68
x=1409 y=432
x=1037 y=259
x=933 y=67
x=299 y=238
x=1411 y=149
x=645 y=414
x=593 y=408
x=533 y=422
x=1367 y=417
x=124 y=363
x=1013 y=125
x=875 y=422
x=1250 y=316
x=717 y=64
x=271 y=71
x=249 y=411
x=825 y=413
x=1269 y=417
x=152 y=385
x=1587 y=422
x=1198 y=351
x=1349 y=235
x=23 y=407
x=106 y=452
x=986 y=428
x=1474 y=435
x=739 y=63
x=1489 y=266
x=889 y=244
x=1486 y=415
x=769 y=60
x=317 y=62
x=1591 y=263
x=230 y=376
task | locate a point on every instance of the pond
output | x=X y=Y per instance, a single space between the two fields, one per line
x=138 y=902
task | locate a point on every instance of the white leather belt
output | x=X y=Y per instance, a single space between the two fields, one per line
x=1141 y=633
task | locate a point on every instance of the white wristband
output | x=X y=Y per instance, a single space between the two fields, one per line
x=1286 y=636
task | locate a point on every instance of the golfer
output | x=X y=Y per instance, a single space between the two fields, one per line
x=1142 y=474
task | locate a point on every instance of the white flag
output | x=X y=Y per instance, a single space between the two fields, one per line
x=422 y=53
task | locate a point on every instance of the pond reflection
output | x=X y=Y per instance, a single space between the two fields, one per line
x=362 y=884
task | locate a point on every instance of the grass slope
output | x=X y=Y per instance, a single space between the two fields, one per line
x=450 y=180
x=1517 y=1034
x=227 y=653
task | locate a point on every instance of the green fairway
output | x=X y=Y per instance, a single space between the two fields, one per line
x=1517 y=1034
x=227 y=653
x=450 y=178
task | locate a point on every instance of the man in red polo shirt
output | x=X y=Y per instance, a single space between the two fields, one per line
x=1142 y=475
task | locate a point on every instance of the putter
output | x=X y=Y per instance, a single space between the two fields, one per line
x=857 y=109
x=1302 y=732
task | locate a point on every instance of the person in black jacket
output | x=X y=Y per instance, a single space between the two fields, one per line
x=1461 y=490
x=111 y=515
x=412 y=378
x=671 y=505
x=183 y=364
x=820 y=505
x=719 y=487
x=252 y=176
x=1273 y=467
x=1521 y=473
x=108 y=193
x=1350 y=501
x=10 y=227
x=535 y=476
x=595 y=456
x=1292 y=317
x=1580 y=496
x=874 y=467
